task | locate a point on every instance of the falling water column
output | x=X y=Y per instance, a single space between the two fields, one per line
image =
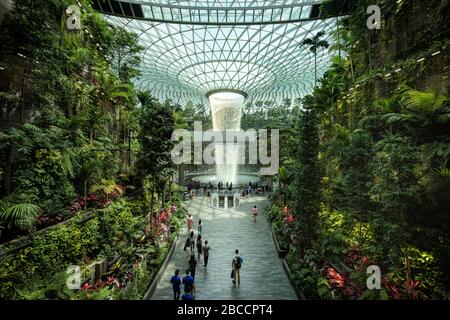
x=226 y=109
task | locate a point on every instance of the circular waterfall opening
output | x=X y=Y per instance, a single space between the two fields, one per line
x=226 y=110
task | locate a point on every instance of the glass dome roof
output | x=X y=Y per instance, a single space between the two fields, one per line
x=184 y=61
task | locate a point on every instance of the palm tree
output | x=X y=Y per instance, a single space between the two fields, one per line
x=315 y=43
x=21 y=216
x=110 y=89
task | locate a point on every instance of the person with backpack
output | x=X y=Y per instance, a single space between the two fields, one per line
x=199 y=246
x=192 y=265
x=236 y=265
x=206 y=249
x=176 y=283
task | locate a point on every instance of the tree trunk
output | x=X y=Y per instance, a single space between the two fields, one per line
x=315 y=69
x=61 y=30
x=91 y=135
x=152 y=195
x=85 y=194
x=338 y=37
x=8 y=171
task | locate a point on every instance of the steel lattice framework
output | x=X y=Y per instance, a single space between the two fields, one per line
x=257 y=49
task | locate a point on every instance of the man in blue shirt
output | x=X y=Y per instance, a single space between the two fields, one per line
x=176 y=283
x=187 y=296
x=188 y=282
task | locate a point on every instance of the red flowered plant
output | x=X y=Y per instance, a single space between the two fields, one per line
x=407 y=290
x=335 y=279
x=47 y=220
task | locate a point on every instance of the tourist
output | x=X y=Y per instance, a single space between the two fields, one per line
x=188 y=248
x=249 y=190
x=187 y=296
x=190 y=223
x=192 y=265
x=188 y=282
x=255 y=213
x=206 y=249
x=191 y=236
x=200 y=227
x=236 y=265
x=176 y=283
x=199 y=246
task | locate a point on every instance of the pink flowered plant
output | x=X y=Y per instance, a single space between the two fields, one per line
x=335 y=279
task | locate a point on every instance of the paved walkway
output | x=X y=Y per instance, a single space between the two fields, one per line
x=262 y=274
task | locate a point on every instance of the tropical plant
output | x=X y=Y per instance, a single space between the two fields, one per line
x=22 y=216
x=315 y=44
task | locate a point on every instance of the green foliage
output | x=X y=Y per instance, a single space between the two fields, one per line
x=155 y=136
x=21 y=216
x=308 y=175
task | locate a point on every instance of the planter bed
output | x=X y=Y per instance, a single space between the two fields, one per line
x=154 y=284
x=24 y=241
x=281 y=252
x=298 y=292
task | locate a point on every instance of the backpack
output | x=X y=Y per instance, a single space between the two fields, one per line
x=187 y=244
x=238 y=262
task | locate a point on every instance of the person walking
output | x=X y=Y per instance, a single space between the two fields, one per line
x=191 y=237
x=190 y=223
x=188 y=282
x=187 y=296
x=199 y=246
x=254 y=213
x=200 y=227
x=249 y=190
x=206 y=249
x=176 y=283
x=192 y=265
x=236 y=265
x=188 y=248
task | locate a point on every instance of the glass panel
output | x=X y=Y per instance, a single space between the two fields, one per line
x=296 y=13
x=147 y=12
x=258 y=15
x=306 y=12
x=166 y=14
x=194 y=15
x=204 y=16
x=185 y=14
x=277 y=13
x=286 y=14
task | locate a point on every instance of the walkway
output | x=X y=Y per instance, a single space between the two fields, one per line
x=262 y=274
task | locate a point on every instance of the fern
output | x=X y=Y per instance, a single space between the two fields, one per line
x=21 y=216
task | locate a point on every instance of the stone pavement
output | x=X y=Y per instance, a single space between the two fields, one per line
x=262 y=274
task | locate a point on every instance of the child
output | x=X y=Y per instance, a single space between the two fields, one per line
x=200 y=227
x=255 y=213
